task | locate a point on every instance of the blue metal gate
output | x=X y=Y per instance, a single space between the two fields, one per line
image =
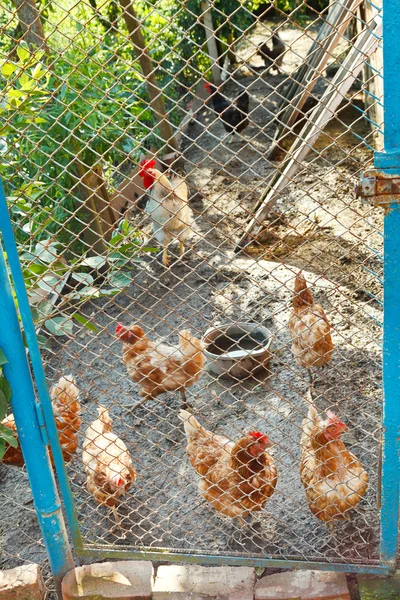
x=32 y=405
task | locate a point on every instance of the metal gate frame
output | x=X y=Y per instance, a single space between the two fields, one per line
x=34 y=416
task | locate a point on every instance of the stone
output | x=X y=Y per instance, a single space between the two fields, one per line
x=303 y=585
x=117 y=580
x=22 y=583
x=192 y=582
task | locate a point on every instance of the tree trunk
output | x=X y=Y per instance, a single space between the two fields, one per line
x=211 y=41
x=94 y=233
x=31 y=25
x=156 y=99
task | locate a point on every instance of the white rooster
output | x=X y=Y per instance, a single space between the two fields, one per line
x=167 y=207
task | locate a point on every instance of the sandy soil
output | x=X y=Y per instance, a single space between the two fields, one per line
x=317 y=226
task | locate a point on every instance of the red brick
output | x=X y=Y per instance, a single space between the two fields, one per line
x=22 y=583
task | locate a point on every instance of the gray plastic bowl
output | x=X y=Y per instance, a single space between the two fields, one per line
x=238 y=364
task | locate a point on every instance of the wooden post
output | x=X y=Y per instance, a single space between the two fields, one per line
x=373 y=78
x=211 y=41
x=319 y=117
x=306 y=76
x=156 y=99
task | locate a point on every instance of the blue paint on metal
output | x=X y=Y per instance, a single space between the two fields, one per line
x=37 y=366
x=42 y=424
x=390 y=161
x=391 y=387
x=38 y=466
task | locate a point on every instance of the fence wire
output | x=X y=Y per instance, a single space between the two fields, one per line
x=92 y=227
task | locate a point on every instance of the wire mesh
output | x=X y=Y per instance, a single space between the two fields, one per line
x=91 y=234
x=21 y=539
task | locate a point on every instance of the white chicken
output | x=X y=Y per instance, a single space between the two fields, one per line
x=167 y=207
x=108 y=465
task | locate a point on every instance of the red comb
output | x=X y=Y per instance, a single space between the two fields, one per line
x=333 y=418
x=119 y=328
x=259 y=436
x=120 y=482
x=146 y=164
x=207 y=86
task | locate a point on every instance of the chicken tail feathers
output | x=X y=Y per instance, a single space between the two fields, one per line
x=104 y=417
x=310 y=421
x=192 y=350
x=190 y=423
x=242 y=102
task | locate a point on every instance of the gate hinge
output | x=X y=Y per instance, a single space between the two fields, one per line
x=41 y=423
x=381 y=186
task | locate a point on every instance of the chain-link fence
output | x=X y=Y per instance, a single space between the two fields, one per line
x=209 y=237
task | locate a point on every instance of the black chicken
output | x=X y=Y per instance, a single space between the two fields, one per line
x=273 y=58
x=233 y=113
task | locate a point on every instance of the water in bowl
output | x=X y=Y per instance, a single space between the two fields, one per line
x=236 y=344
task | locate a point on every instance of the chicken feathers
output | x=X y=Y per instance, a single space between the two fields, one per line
x=236 y=477
x=309 y=328
x=273 y=57
x=157 y=367
x=233 y=113
x=66 y=409
x=334 y=479
x=107 y=463
x=167 y=207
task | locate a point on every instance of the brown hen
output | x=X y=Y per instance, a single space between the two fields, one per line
x=309 y=329
x=66 y=408
x=159 y=368
x=236 y=477
x=334 y=479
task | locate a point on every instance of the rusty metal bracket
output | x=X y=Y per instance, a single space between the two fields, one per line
x=382 y=186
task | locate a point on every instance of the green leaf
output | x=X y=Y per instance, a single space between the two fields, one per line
x=116 y=238
x=120 y=280
x=45 y=307
x=34 y=313
x=38 y=71
x=85 y=321
x=3 y=359
x=48 y=283
x=59 y=326
x=5 y=388
x=2 y=448
x=3 y=406
x=23 y=52
x=85 y=278
x=7 y=69
x=43 y=341
x=94 y=261
x=8 y=435
x=37 y=268
x=43 y=253
x=111 y=292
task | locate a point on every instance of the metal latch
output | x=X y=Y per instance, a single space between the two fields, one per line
x=382 y=186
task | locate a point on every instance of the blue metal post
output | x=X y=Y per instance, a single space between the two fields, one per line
x=37 y=366
x=389 y=162
x=40 y=473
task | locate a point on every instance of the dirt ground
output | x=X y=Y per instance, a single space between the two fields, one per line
x=317 y=226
